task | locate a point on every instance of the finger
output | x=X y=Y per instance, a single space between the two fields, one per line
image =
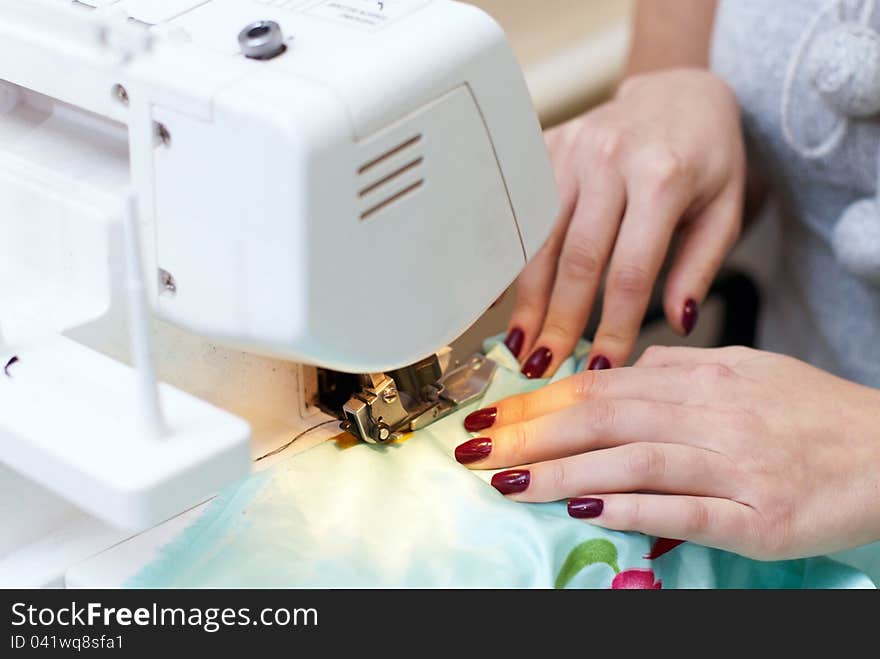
x=533 y=287
x=642 y=467
x=653 y=212
x=589 y=426
x=662 y=385
x=705 y=243
x=535 y=282
x=674 y=356
x=714 y=522
x=582 y=260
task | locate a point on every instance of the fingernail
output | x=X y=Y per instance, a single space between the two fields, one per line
x=473 y=450
x=585 y=508
x=481 y=419
x=511 y=482
x=689 y=316
x=537 y=364
x=600 y=363
x=514 y=341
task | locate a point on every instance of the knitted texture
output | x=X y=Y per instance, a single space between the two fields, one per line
x=805 y=74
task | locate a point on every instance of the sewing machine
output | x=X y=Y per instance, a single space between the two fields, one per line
x=224 y=222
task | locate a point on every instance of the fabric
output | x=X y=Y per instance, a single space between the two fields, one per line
x=806 y=74
x=408 y=515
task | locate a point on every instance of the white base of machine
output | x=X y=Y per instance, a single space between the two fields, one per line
x=86 y=449
x=43 y=535
x=50 y=543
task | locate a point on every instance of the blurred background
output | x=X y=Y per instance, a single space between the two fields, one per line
x=572 y=51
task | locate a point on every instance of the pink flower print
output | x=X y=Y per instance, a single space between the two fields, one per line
x=636 y=579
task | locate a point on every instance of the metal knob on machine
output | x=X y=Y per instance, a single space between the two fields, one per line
x=262 y=40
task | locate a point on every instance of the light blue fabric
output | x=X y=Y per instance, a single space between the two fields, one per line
x=410 y=516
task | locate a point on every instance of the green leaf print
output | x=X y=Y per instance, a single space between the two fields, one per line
x=586 y=554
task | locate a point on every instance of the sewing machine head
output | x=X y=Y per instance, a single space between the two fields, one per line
x=343 y=184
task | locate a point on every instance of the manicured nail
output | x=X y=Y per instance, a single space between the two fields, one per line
x=600 y=363
x=689 y=316
x=585 y=508
x=481 y=419
x=511 y=482
x=537 y=364
x=514 y=341
x=473 y=450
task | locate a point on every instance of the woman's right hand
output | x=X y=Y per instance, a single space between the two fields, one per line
x=665 y=155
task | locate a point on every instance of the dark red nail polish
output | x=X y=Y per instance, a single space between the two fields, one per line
x=662 y=546
x=511 y=482
x=481 y=419
x=473 y=450
x=537 y=364
x=689 y=316
x=514 y=341
x=585 y=508
x=600 y=363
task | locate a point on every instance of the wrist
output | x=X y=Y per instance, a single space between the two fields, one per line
x=670 y=34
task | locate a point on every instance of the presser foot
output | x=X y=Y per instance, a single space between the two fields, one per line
x=387 y=406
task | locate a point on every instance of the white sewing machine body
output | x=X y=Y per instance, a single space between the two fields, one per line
x=354 y=200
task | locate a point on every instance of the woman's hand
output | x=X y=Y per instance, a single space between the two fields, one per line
x=665 y=155
x=747 y=451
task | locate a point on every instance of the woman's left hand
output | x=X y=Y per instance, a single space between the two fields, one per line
x=746 y=451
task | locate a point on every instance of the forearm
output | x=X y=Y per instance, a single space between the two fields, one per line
x=670 y=34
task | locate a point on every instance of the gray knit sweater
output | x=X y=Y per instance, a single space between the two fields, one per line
x=807 y=75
